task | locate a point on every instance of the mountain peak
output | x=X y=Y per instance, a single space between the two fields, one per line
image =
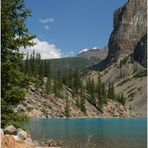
x=96 y=52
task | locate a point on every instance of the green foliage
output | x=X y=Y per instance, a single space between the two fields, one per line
x=82 y=101
x=121 y=99
x=141 y=74
x=104 y=95
x=55 y=88
x=14 y=95
x=100 y=104
x=71 y=78
x=67 y=110
x=111 y=91
x=90 y=87
x=48 y=85
x=64 y=64
x=59 y=80
x=82 y=105
x=14 y=35
x=58 y=85
x=76 y=82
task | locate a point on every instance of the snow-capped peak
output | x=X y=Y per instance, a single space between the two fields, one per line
x=83 y=50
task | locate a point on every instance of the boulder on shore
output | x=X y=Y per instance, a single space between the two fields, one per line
x=10 y=130
x=22 y=135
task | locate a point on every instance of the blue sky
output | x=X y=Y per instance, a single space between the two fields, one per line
x=68 y=26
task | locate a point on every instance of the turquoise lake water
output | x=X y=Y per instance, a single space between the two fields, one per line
x=92 y=133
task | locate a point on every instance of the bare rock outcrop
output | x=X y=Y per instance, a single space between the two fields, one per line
x=130 y=25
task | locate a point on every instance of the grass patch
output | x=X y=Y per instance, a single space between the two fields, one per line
x=141 y=74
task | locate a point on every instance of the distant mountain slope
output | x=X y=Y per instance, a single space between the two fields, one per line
x=99 y=53
x=79 y=63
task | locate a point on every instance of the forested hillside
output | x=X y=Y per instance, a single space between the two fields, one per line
x=63 y=64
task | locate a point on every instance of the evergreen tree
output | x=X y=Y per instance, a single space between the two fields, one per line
x=99 y=86
x=67 y=110
x=92 y=92
x=42 y=72
x=100 y=103
x=48 y=85
x=122 y=99
x=82 y=102
x=65 y=79
x=90 y=87
x=27 y=65
x=14 y=35
x=70 y=78
x=82 y=105
x=55 y=88
x=48 y=76
x=59 y=79
x=76 y=82
x=111 y=91
x=103 y=92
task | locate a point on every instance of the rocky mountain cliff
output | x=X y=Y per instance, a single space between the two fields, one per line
x=125 y=64
x=99 y=53
x=130 y=27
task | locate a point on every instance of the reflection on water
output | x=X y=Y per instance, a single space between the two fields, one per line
x=92 y=133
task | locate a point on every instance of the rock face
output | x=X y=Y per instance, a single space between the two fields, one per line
x=140 y=52
x=130 y=25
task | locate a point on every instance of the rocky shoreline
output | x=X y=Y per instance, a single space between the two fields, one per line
x=12 y=137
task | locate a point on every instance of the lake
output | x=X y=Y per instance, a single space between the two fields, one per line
x=92 y=133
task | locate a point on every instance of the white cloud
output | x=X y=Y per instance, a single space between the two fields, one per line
x=47 y=20
x=47 y=27
x=47 y=50
x=83 y=50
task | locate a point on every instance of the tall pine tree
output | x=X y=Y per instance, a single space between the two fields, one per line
x=14 y=36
